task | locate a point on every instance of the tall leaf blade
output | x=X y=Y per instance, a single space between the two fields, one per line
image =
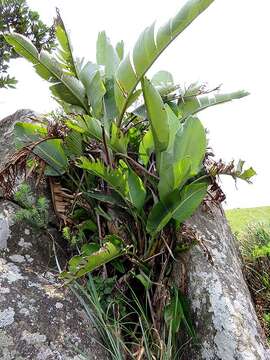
x=106 y=55
x=67 y=51
x=157 y=116
x=148 y=49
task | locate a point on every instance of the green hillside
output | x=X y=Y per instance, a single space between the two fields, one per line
x=239 y=218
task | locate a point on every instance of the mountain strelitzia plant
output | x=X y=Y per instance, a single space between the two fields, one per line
x=128 y=163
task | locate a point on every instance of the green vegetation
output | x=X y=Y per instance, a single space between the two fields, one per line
x=240 y=218
x=127 y=163
x=255 y=248
x=16 y=16
x=34 y=211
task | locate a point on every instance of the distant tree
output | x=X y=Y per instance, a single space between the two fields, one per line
x=15 y=15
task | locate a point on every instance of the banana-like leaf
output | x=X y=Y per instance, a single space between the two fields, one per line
x=190 y=141
x=95 y=89
x=106 y=55
x=65 y=87
x=178 y=205
x=80 y=265
x=148 y=48
x=157 y=116
x=192 y=105
x=65 y=54
x=174 y=176
x=51 y=150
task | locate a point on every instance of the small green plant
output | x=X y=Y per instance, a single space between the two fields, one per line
x=34 y=211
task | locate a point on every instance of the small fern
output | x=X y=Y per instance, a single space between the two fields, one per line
x=34 y=211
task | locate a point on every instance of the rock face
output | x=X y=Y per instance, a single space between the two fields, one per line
x=6 y=131
x=39 y=319
x=222 y=309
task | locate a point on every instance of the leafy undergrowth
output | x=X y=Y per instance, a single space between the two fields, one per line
x=255 y=249
x=240 y=218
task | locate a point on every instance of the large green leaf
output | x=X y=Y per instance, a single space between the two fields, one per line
x=192 y=105
x=95 y=89
x=174 y=176
x=106 y=54
x=168 y=161
x=190 y=141
x=82 y=264
x=51 y=150
x=65 y=54
x=148 y=48
x=65 y=87
x=157 y=116
x=178 y=205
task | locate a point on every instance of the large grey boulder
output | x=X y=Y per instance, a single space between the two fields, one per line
x=6 y=131
x=224 y=316
x=39 y=318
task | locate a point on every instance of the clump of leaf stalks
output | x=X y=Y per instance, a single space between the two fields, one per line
x=127 y=163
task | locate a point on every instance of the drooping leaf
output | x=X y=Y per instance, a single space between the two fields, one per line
x=65 y=87
x=107 y=55
x=50 y=150
x=192 y=105
x=178 y=205
x=147 y=49
x=191 y=197
x=80 y=265
x=157 y=116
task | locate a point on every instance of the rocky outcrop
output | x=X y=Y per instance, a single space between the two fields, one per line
x=6 y=131
x=224 y=316
x=39 y=318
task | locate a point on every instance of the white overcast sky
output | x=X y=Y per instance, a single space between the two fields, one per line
x=228 y=44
